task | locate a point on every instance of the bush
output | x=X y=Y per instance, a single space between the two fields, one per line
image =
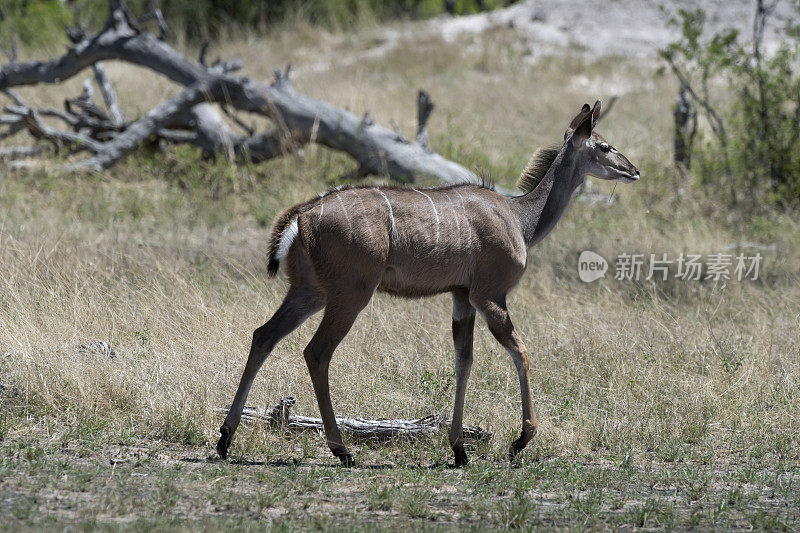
x=750 y=153
x=42 y=22
x=203 y=19
x=32 y=22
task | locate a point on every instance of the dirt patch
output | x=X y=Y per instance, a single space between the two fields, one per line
x=162 y=484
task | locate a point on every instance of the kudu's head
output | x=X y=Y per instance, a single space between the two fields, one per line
x=592 y=153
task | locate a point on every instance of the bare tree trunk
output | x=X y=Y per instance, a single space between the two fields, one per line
x=685 y=130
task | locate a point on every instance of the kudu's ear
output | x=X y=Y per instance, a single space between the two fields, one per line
x=583 y=128
x=585 y=111
x=579 y=117
x=596 y=112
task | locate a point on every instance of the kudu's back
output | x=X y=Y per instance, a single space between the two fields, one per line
x=406 y=241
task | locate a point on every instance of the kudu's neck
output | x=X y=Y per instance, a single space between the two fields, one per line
x=540 y=209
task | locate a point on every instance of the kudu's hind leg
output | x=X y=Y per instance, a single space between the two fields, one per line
x=463 y=328
x=297 y=306
x=499 y=322
x=336 y=322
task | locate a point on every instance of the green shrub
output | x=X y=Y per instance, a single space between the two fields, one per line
x=32 y=22
x=750 y=153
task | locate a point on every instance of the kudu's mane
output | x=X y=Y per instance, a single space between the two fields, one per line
x=537 y=167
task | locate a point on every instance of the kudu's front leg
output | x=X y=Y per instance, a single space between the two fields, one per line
x=499 y=322
x=463 y=328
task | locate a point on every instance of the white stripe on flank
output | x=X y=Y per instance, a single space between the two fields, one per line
x=391 y=214
x=349 y=224
x=455 y=217
x=287 y=238
x=363 y=208
x=435 y=212
x=466 y=218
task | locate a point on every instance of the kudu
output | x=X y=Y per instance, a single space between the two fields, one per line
x=339 y=248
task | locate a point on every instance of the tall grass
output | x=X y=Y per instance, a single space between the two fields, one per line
x=163 y=257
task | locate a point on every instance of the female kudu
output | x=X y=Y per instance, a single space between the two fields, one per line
x=338 y=249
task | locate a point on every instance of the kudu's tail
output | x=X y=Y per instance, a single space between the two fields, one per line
x=284 y=232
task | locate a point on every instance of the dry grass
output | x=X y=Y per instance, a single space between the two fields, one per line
x=164 y=257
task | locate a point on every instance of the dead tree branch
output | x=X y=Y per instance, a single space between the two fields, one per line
x=376 y=150
x=109 y=95
x=424 y=109
x=156 y=119
x=20 y=152
x=359 y=429
x=30 y=120
x=607 y=107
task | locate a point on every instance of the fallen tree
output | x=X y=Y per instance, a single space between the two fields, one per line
x=190 y=116
x=279 y=417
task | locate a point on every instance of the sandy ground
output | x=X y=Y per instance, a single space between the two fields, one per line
x=627 y=28
x=615 y=27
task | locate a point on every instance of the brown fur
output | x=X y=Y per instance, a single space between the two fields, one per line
x=283 y=220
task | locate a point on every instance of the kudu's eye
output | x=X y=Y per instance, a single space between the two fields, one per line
x=605 y=147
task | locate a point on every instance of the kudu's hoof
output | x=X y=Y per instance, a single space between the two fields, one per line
x=224 y=441
x=461 y=457
x=344 y=456
x=528 y=431
x=516 y=447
